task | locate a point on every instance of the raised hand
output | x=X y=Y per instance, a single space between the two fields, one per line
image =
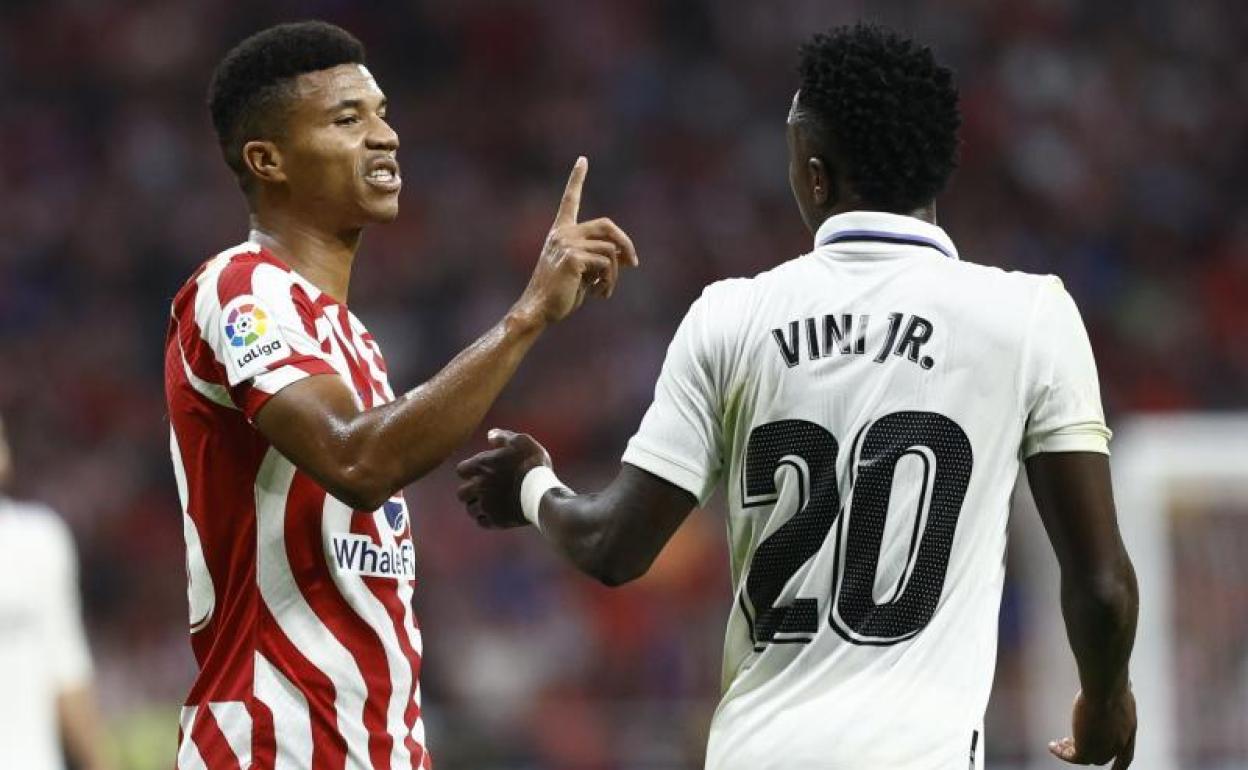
x=1101 y=732
x=576 y=259
x=491 y=488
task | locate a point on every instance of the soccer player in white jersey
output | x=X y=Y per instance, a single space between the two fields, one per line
x=46 y=698
x=289 y=447
x=866 y=408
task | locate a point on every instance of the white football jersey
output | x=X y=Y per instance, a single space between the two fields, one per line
x=866 y=407
x=43 y=649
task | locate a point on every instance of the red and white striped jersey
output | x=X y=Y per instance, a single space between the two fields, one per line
x=300 y=608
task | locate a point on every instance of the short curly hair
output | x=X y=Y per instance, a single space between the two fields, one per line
x=251 y=86
x=883 y=107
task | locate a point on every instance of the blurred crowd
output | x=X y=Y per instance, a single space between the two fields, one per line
x=1102 y=142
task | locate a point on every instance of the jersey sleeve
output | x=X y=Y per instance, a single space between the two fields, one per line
x=261 y=328
x=65 y=647
x=1063 y=395
x=681 y=436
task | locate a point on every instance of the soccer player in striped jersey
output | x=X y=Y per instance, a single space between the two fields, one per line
x=866 y=407
x=289 y=447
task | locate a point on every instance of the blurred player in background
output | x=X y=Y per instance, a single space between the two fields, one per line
x=46 y=698
x=866 y=407
x=289 y=447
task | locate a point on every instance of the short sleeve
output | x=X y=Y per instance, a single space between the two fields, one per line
x=681 y=436
x=261 y=327
x=1062 y=390
x=65 y=642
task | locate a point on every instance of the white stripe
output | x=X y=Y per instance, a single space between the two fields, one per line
x=338 y=354
x=235 y=724
x=273 y=381
x=368 y=354
x=336 y=520
x=201 y=594
x=294 y=616
x=208 y=303
x=272 y=285
x=189 y=757
x=292 y=724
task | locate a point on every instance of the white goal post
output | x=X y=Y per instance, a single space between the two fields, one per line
x=1181 y=487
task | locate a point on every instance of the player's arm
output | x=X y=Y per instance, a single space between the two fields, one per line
x=1100 y=599
x=67 y=656
x=613 y=535
x=1066 y=446
x=81 y=729
x=364 y=456
x=670 y=465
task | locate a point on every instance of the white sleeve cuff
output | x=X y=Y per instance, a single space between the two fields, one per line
x=1086 y=437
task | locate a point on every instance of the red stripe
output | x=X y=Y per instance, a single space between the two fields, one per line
x=329 y=746
x=307 y=309
x=234 y=280
x=191 y=345
x=249 y=398
x=207 y=736
x=263 y=736
x=386 y=591
x=364 y=385
x=310 y=568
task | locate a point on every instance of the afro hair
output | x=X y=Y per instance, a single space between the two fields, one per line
x=883 y=107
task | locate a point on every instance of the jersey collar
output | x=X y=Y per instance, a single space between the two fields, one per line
x=871 y=227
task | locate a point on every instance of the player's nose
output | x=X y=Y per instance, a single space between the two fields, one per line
x=382 y=137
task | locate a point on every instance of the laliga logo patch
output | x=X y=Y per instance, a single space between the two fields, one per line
x=246 y=324
x=251 y=333
x=396 y=515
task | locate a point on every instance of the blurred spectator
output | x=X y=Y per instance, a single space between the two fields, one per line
x=44 y=662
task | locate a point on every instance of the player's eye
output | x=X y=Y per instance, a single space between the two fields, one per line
x=346 y=120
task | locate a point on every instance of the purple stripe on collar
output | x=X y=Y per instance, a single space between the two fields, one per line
x=886 y=237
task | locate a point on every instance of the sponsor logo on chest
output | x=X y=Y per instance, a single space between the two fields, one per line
x=359 y=555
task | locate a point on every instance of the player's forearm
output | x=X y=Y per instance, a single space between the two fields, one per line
x=393 y=445
x=1100 y=612
x=80 y=728
x=587 y=530
x=616 y=534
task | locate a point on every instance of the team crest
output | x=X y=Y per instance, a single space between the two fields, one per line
x=395 y=512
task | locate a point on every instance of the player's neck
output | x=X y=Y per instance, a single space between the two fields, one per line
x=323 y=258
x=925 y=213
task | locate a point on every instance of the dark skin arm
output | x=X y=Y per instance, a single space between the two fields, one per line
x=1100 y=601
x=613 y=535
x=362 y=457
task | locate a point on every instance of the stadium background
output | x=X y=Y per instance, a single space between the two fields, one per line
x=1102 y=142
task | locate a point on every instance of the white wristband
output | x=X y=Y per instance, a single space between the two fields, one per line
x=537 y=482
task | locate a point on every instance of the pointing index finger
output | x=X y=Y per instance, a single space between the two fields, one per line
x=570 y=205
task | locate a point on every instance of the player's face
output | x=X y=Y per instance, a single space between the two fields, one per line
x=799 y=168
x=338 y=153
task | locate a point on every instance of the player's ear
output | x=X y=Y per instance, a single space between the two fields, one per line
x=264 y=161
x=822 y=183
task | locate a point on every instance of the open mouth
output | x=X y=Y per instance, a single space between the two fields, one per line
x=384 y=175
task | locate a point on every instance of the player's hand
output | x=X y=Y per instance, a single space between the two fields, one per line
x=491 y=488
x=577 y=259
x=1102 y=731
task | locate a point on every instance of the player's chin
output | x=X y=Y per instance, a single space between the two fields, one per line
x=379 y=210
